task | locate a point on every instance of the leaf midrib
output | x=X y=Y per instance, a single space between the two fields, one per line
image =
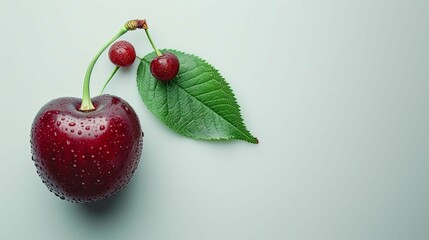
x=226 y=120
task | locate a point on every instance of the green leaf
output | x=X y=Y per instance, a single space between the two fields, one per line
x=197 y=103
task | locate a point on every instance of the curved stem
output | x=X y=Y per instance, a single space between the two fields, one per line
x=151 y=43
x=86 y=98
x=110 y=78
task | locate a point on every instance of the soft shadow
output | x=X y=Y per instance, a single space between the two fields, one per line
x=106 y=206
x=113 y=204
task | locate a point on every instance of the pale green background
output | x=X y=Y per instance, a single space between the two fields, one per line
x=336 y=91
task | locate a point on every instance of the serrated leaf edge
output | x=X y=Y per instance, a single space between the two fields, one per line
x=247 y=132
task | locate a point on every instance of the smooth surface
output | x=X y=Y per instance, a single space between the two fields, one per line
x=336 y=91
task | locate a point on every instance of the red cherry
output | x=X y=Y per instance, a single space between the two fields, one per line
x=86 y=156
x=165 y=67
x=122 y=54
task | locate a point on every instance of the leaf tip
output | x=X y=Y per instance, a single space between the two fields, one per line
x=253 y=140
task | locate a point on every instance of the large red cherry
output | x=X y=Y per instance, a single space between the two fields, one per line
x=85 y=156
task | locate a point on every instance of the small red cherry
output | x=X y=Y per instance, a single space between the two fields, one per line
x=122 y=54
x=165 y=67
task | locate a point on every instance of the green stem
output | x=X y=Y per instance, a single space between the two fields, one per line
x=151 y=43
x=86 y=98
x=110 y=78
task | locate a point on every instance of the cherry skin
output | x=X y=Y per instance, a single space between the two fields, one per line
x=122 y=54
x=86 y=156
x=165 y=67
